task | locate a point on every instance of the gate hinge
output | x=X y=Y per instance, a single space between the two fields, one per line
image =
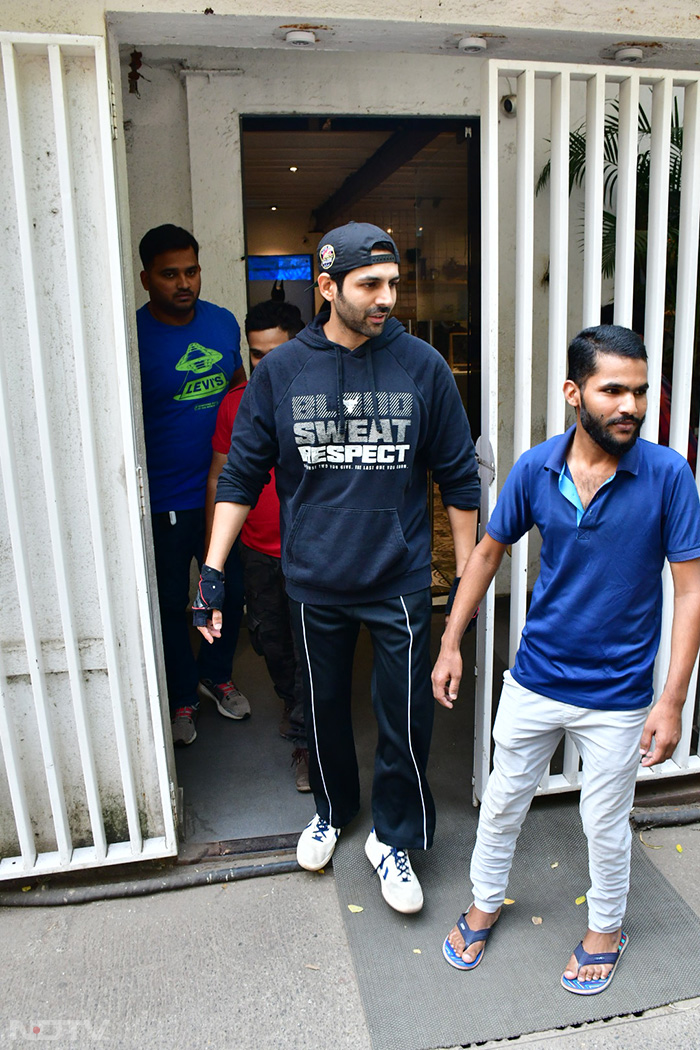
x=486 y=460
x=113 y=110
x=142 y=493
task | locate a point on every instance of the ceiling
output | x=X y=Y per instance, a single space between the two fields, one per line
x=420 y=159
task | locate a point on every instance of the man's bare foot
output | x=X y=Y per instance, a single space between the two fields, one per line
x=593 y=943
x=476 y=920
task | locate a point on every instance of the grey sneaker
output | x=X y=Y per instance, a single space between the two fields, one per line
x=228 y=698
x=183 y=727
x=400 y=886
x=316 y=844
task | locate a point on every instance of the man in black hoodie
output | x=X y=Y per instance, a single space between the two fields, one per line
x=352 y=414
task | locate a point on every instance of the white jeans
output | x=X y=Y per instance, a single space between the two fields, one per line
x=527 y=730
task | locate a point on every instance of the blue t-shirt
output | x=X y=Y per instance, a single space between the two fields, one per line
x=185 y=373
x=593 y=626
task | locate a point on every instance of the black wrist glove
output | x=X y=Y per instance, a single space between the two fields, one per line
x=210 y=595
x=450 y=602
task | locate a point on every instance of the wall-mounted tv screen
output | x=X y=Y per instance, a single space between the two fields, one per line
x=280 y=268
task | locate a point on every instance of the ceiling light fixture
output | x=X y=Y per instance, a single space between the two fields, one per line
x=629 y=55
x=273 y=208
x=300 y=38
x=472 y=45
x=294 y=168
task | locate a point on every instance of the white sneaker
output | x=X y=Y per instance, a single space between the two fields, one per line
x=316 y=844
x=400 y=886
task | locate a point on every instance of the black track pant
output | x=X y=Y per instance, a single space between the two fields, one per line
x=402 y=805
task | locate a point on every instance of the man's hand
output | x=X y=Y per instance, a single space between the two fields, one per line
x=664 y=727
x=446 y=676
x=206 y=608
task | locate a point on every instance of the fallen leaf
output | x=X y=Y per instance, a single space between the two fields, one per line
x=311 y=966
x=679 y=848
x=354 y=908
x=555 y=865
x=536 y=920
x=648 y=844
x=417 y=951
x=509 y=900
x=321 y=871
x=581 y=900
x=26 y=889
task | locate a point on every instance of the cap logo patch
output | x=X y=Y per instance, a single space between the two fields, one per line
x=326 y=256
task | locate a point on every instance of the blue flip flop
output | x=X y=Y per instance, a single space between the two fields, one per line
x=470 y=936
x=583 y=958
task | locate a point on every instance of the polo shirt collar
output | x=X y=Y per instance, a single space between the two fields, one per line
x=560 y=446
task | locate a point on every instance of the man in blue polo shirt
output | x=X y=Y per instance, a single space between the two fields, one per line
x=610 y=509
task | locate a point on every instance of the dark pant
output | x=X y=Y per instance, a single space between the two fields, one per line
x=176 y=544
x=270 y=629
x=402 y=805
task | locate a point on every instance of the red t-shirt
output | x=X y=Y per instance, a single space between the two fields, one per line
x=261 y=529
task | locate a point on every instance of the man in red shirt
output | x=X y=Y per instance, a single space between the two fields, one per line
x=267 y=325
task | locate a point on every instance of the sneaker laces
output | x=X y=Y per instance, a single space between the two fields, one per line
x=322 y=829
x=403 y=867
x=227 y=688
x=184 y=712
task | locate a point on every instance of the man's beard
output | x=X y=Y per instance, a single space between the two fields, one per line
x=601 y=435
x=355 y=319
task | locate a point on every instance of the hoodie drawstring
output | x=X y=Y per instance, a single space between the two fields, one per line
x=340 y=391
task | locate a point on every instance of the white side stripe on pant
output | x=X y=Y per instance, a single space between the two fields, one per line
x=408 y=727
x=313 y=714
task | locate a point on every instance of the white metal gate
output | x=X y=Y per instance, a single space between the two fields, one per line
x=84 y=779
x=522 y=233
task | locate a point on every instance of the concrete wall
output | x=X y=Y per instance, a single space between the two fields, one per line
x=651 y=22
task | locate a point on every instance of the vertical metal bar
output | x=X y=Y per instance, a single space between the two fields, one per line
x=87 y=435
x=489 y=408
x=55 y=786
x=686 y=286
x=524 y=275
x=13 y=768
x=657 y=242
x=558 y=252
x=686 y=294
x=593 y=220
x=8 y=739
x=626 y=199
x=124 y=393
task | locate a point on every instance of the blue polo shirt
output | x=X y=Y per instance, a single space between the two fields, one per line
x=594 y=621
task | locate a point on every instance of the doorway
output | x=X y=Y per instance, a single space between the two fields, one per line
x=301 y=176
x=418 y=178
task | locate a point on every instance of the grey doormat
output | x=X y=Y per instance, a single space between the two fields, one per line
x=414 y=1001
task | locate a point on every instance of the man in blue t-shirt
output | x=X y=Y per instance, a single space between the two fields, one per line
x=611 y=509
x=189 y=354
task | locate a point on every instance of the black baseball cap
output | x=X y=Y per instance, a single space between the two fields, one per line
x=350 y=246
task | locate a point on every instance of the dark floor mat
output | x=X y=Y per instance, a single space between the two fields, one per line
x=414 y=1001
x=237 y=777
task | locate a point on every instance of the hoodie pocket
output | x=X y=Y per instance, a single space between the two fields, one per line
x=342 y=549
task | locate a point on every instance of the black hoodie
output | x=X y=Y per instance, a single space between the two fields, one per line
x=352 y=435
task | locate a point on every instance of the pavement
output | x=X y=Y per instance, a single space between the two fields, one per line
x=258 y=964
